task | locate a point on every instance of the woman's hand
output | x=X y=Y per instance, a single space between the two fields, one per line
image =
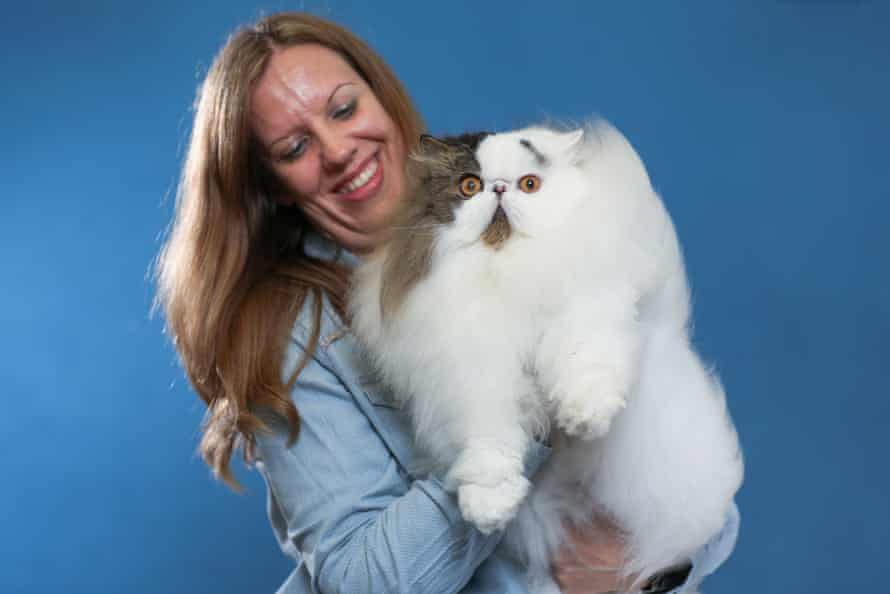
x=590 y=561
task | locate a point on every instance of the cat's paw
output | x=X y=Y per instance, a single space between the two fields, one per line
x=586 y=406
x=490 y=508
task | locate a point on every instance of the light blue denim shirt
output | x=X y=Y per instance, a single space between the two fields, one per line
x=347 y=502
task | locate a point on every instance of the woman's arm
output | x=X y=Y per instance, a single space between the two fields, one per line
x=357 y=520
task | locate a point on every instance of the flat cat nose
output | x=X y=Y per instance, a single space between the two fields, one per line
x=499 y=188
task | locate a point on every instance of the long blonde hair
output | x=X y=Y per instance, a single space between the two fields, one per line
x=233 y=274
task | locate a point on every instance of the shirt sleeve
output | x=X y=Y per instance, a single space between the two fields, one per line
x=349 y=511
x=713 y=554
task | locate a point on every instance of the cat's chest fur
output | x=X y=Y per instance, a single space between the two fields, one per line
x=503 y=297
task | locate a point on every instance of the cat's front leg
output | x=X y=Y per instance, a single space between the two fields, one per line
x=587 y=361
x=489 y=481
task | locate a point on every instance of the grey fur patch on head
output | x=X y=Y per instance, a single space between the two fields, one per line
x=541 y=159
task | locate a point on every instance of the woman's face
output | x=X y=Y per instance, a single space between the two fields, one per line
x=338 y=153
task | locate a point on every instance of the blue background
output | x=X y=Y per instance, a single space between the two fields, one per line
x=764 y=124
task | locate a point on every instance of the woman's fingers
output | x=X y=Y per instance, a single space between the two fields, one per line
x=591 y=560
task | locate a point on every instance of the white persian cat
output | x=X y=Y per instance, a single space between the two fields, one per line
x=533 y=287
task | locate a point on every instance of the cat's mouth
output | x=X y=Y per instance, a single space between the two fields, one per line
x=498 y=230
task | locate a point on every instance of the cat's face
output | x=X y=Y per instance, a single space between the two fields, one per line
x=490 y=188
x=479 y=189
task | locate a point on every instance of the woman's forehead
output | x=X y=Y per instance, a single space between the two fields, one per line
x=296 y=85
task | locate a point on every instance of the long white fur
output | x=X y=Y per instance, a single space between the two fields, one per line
x=579 y=323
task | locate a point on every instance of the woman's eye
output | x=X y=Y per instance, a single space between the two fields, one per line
x=296 y=150
x=344 y=111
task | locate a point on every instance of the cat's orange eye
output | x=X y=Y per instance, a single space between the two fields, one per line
x=470 y=185
x=529 y=183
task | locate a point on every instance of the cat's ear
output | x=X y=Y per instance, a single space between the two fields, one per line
x=429 y=143
x=570 y=144
x=431 y=154
x=571 y=140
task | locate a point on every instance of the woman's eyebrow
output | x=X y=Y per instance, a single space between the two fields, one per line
x=337 y=88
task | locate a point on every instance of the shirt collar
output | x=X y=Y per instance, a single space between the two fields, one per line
x=324 y=248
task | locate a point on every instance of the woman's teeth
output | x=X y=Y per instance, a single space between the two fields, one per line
x=362 y=178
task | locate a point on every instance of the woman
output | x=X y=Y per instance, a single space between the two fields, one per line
x=295 y=161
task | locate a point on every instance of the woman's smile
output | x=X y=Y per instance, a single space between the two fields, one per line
x=364 y=184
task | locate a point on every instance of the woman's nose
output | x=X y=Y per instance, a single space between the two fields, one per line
x=337 y=150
